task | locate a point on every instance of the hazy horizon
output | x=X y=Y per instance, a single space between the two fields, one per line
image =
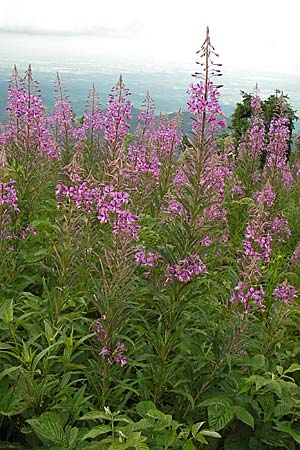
x=249 y=36
x=153 y=45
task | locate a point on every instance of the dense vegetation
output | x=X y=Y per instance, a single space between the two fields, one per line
x=149 y=288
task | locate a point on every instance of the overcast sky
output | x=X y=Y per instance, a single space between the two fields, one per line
x=251 y=35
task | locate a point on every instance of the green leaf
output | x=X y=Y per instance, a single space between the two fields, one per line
x=97 y=431
x=258 y=362
x=293 y=368
x=279 y=370
x=196 y=427
x=71 y=436
x=119 y=446
x=143 y=424
x=143 y=407
x=156 y=414
x=219 y=416
x=42 y=354
x=188 y=445
x=220 y=400
x=285 y=427
x=200 y=438
x=95 y=415
x=48 y=427
x=210 y=433
x=165 y=438
x=244 y=416
x=8 y=371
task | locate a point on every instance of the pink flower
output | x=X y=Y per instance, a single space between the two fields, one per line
x=285 y=292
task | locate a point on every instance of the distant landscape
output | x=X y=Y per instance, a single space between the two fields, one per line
x=167 y=88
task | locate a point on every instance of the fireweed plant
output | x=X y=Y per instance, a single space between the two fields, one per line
x=149 y=280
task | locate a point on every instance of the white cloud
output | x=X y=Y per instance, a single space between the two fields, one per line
x=253 y=35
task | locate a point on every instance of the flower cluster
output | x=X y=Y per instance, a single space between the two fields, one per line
x=93 y=116
x=114 y=354
x=204 y=104
x=237 y=190
x=244 y=294
x=28 y=127
x=167 y=137
x=140 y=161
x=146 y=120
x=261 y=232
x=115 y=119
x=284 y=292
x=295 y=258
x=276 y=167
x=106 y=203
x=147 y=260
x=186 y=269
x=8 y=196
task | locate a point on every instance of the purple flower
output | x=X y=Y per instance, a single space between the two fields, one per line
x=121 y=359
x=295 y=258
x=284 y=292
x=120 y=347
x=105 y=351
x=204 y=103
x=117 y=115
x=99 y=330
x=186 y=269
x=244 y=294
x=276 y=167
x=149 y=260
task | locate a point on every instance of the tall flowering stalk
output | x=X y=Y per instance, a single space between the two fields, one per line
x=251 y=150
x=142 y=167
x=27 y=134
x=277 y=167
x=106 y=232
x=93 y=118
x=116 y=118
x=146 y=121
x=204 y=99
x=61 y=118
x=262 y=233
x=193 y=205
x=28 y=142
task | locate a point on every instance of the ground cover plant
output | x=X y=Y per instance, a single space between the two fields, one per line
x=149 y=283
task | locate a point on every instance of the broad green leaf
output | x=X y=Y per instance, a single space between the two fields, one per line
x=119 y=446
x=220 y=400
x=244 y=416
x=285 y=427
x=188 y=445
x=165 y=438
x=156 y=414
x=143 y=424
x=196 y=427
x=293 y=368
x=71 y=436
x=200 y=438
x=143 y=407
x=219 y=416
x=97 y=431
x=48 y=427
x=279 y=370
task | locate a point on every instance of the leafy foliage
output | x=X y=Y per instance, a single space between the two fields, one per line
x=149 y=287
